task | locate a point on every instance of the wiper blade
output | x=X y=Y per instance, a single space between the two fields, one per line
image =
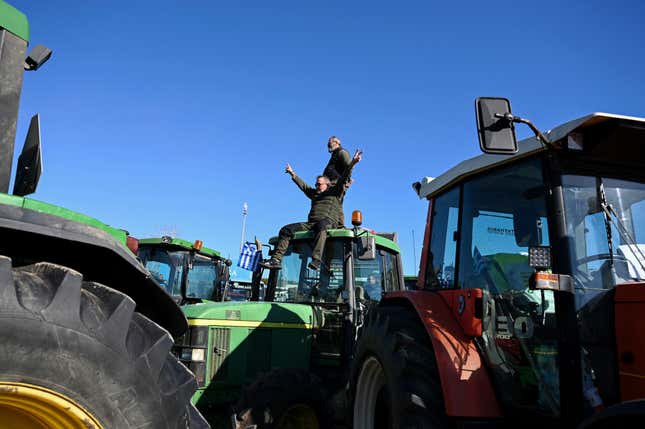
x=608 y=210
x=607 y=218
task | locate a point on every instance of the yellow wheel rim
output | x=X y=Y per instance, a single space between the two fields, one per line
x=27 y=406
x=299 y=416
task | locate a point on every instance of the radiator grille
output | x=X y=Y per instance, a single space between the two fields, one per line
x=221 y=349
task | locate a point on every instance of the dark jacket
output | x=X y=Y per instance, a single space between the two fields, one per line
x=338 y=163
x=326 y=205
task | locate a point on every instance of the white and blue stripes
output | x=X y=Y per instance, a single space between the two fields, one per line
x=250 y=257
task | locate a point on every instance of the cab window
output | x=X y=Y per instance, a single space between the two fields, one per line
x=373 y=277
x=440 y=267
x=296 y=282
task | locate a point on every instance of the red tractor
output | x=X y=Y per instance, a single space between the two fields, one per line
x=531 y=291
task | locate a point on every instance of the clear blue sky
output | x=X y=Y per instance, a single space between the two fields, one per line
x=163 y=116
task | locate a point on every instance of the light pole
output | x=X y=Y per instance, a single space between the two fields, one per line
x=245 y=209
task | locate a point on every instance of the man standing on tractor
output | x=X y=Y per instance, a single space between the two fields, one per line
x=338 y=163
x=325 y=212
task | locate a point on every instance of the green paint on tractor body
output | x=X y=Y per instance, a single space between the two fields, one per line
x=42 y=207
x=244 y=339
x=14 y=21
x=381 y=239
x=186 y=245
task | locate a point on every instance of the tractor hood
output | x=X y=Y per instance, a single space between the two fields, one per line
x=250 y=314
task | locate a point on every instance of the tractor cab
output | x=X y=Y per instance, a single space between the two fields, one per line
x=189 y=272
x=552 y=232
x=345 y=263
x=358 y=267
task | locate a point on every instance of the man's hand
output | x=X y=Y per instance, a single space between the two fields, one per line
x=357 y=156
x=289 y=170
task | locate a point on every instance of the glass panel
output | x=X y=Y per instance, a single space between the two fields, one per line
x=202 y=278
x=166 y=267
x=241 y=291
x=391 y=273
x=369 y=278
x=504 y=213
x=443 y=249
x=602 y=258
x=297 y=283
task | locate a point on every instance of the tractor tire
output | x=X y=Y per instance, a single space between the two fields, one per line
x=75 y=354
x=286 y=398
x=394 y=382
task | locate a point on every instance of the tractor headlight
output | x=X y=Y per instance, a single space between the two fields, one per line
x=197 y=355
x=189 y=354
x=190 y=349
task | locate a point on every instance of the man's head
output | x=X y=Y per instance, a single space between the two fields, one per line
x=371 y=279
x=333 y=143
x=322 y=183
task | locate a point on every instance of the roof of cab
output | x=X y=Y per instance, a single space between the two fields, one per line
x=429 y=186
x=381 y=239
x=178 y=242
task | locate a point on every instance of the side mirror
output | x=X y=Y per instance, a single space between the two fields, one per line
x=496 y=131
x=37 y=57
x=366 y=248
x=30 y=164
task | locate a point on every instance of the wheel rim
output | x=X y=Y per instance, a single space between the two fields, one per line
x=28 y=406
x=369 y=385
x=299 y=416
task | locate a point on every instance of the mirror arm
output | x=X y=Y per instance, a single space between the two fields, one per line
x=509 y=117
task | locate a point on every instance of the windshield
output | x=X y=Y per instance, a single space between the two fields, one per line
x=166 y=267
x=297 y=283
x=604 y=252
x=202 y=278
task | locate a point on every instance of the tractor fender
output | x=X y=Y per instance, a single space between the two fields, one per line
x=30 y=236
x=467 y=387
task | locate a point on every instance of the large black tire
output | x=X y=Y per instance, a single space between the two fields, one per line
x=394 y=381
x=287 y=398
x=85 y=342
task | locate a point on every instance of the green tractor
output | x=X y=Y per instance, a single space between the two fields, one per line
x=295 y=344
x=86 y=331
x=189 y=272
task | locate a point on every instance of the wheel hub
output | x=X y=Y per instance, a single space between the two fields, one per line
x=28 y=406
x=299 y=416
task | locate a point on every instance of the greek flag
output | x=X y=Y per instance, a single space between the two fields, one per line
x=249 y=257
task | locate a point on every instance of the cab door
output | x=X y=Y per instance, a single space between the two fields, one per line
x=480 y=235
